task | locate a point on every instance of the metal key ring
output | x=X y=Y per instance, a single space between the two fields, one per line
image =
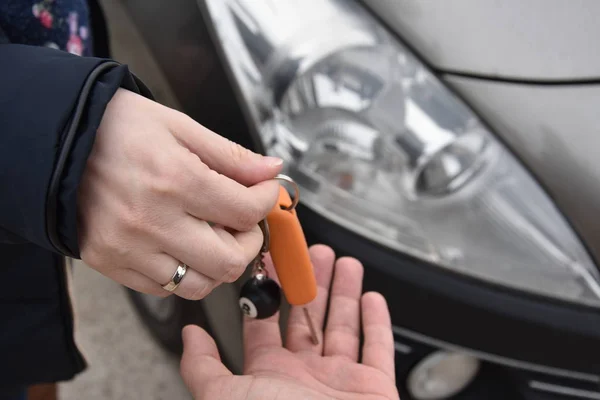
x=264 y=227
x=296 y=198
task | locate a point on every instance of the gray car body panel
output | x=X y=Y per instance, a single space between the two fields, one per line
x=555 y=131
x=538 y=40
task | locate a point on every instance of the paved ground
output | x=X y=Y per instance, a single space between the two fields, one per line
x=125 y=363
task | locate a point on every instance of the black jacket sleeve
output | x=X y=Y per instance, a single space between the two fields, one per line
x=51 y=104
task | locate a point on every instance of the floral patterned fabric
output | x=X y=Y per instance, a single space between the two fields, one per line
x=60 y=24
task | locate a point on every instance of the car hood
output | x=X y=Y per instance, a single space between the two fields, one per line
x=533 y=40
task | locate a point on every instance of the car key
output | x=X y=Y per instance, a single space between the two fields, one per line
x=284 y=239
x=289 y=251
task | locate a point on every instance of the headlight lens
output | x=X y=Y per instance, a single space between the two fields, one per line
x=380 y=146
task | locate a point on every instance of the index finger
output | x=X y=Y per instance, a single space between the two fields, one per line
x=298 y=333
x=210 y=196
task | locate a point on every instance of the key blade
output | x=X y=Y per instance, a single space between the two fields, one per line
x=311 y=325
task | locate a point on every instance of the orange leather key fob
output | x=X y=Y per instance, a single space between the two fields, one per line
x=289 y=252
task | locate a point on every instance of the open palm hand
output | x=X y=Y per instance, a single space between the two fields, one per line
x=302 y=370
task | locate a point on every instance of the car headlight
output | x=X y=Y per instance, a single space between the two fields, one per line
x=379 y=145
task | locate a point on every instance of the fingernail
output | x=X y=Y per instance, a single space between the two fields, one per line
x=274 y=161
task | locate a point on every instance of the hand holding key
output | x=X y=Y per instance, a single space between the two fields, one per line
x=160 y=191
x=302 y=370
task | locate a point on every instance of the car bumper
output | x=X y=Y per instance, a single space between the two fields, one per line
x=529 y=348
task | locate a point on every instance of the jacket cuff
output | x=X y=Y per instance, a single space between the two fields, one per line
x=77 y=142
x=51 y=104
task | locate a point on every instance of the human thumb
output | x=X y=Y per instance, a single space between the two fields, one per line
x=226 y=157
x=200 y=363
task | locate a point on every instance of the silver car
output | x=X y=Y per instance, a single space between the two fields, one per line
x=451 y=146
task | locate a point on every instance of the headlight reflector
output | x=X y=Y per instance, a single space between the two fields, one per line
x=380 y=146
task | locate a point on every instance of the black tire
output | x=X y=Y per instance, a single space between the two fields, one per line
x=167 y=330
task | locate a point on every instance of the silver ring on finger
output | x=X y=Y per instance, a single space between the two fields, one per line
x=177 y=277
